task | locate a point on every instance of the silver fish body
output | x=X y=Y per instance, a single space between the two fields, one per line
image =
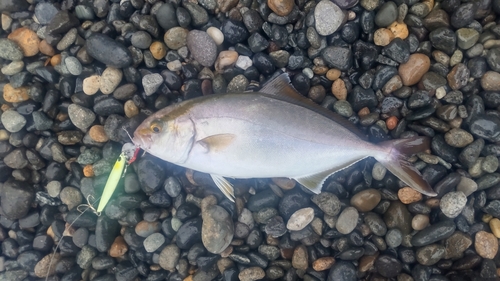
x=258 y=135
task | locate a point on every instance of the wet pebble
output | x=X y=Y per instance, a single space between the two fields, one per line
x=347 y=221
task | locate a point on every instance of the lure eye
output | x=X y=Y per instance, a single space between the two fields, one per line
x=156 y=126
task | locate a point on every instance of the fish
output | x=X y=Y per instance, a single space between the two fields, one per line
x=274 y=132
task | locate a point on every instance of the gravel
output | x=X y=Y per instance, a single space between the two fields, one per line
x=73 y=75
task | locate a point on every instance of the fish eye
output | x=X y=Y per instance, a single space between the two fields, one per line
x=156 y=126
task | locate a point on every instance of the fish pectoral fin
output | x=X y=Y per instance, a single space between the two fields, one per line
x=225 y=186
x=217 y=143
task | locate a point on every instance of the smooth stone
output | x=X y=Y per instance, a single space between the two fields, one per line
x=153 y=242
x=16 y=199
x=342 y=271
x=433 y=233
x=328 y=203
x=366 y=200
x=386 y=15
x=13 y=121
x=458 y=138
x=486 y=244
x=202 y=47
x=169 y=257
x=328 y=17
x=10 y=50
x=453 y=203
x=491 y=81
x=300 y=219
x=337 y=57
x=398 y=216
x=151 y=83
x=217 y=230
x=412 y=71
x=430 y=254
x=347 y=221
x=80 y=116
x=108 y=51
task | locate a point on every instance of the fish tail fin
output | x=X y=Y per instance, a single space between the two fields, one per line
x=395 y=160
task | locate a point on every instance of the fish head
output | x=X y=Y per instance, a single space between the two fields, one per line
x=166 y=135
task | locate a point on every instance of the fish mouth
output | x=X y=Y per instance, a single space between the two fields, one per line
x=143 y=142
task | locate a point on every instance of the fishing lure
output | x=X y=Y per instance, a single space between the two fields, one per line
x=127 y=157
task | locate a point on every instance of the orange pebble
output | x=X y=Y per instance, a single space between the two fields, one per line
x=88 y=171
x=399 y=29
x=391 y=122
x=55 y=60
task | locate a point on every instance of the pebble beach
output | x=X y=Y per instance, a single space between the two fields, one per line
x=78 y=76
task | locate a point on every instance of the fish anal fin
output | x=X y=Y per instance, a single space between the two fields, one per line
x=225 y=186
x=218 y=142
x=315 y=182
x=280 y=88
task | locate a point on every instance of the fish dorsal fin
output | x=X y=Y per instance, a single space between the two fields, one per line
x=280 y=88
x=315 y=182
x=218 y=142
x=225 y=186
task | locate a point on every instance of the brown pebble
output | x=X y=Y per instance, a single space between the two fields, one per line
x=323 y=263
x=130 y=109
x=46 y=48
x=55 y=60
x=412 y=71
x=118 y=248
x=284 y=183
x=391 y=122
x=366 y=200
x=486 y=244
x=88 y=171
x=333 y=74
x=399 y=29
x=281 y=7
x=394 y=84
x=251 y=274
x=432 y=202
x=11 y=94
x=382 y=37
x=363 y=111
x=27 y=40
x=408 y=195
x=320 y=69
x=300 y=258
x=339 y=90
x=226 y=59
x=366 y=263
x=317 y=93
x=458 y=76
x=158 y=50
x=47 y=265
x=491 y=81
x=98 y=134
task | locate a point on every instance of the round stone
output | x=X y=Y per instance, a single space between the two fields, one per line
x=281 y=7
x=109 y=80
x=73 y=65
x=10 y=50
x=408 y=195
x=13 y=95
x=412 y=71
x=13 y=121
x=347 y=220
x=151 y=83
x=453 y=203
x=176 y=37
x=300 y=219
x=458 y=138
x=153 y=242
x=466 y=38
x=141 y=39
x=366 y=200
x=327 y=17
x=486 y=245
x=91 y=84
x=202 y=47
x=158 y=50
x=27 y=40
x=216 y=35
x=387 y=14
x=80 y=116
x=420 y=222
x=217 y=230
x=491 y=81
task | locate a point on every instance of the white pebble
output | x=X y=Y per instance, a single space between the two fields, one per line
x=243 y=62
x=300 y=219
x=174 y=65
x=453 y=203
x=216 y=34
x=440 y=93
